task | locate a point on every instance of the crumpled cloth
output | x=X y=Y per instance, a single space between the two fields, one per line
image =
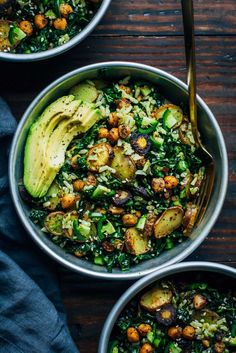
x=32 y=317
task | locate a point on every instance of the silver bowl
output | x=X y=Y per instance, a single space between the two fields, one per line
x=176 y=91
x=62 y=48
x=221 y=273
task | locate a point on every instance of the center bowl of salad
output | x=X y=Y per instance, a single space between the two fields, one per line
x=105 y=174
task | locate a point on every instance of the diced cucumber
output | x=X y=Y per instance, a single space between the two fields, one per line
x=100 y=191
x=15 y=35
x=99 y=260
x=108 y=228
x=182 y=166
x=141 y=222
x=174 y=348
x=172 y=118
x=145 y=90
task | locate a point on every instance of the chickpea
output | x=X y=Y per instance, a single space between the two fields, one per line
x=78 y=185
x=175 y=332
x=125 y=88
x=65 y=9
x=26 y=27
x=73 y=162
x=103 y=133
x=146 y=348
x=124 y=131
x=188 y=332
x=116 y=210
x=113 y=119
x=91 y=180
x=219 y=347
x=113 y=135
x=140 y=97
x=206 y=343
x=143 y=329
x=140 y=163
x=122 y=103
x=138 y=214
x=129 y=220
x=171 y=181
x=132 y=335
x=199 y=301
x=158 y=185
x=60 y=24
x=40 y=21
x=68 y=201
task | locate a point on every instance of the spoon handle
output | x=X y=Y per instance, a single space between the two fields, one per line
x=188 y=24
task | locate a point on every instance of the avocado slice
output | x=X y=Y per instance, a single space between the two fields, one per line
x=49 y=138
x=85 y=91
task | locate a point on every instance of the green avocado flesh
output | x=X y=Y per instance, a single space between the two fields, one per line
x=49 y=138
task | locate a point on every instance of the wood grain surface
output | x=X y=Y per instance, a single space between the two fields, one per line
x=150 y=32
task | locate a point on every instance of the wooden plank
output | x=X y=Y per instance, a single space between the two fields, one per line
x=164 y=17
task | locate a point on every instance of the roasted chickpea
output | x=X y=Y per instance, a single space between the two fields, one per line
x=26 y=27
x=65 y=9
x=199 y=301
x=122 y=103
x=78 y=185
x=140 y=163
x=116 y=210
x=219 y=347
x=91 y=180
x=103 y=132
x=175 y=332
x=113 y=119
x=188 y=332
x=113 y=135
x=132 y=335
x=125 y=88
x=158 y=185
x=171 y=182
x=124 y=131
x=68 y=201
x=73 y=162
x=143 y=329
x=138 y=213
x=40 y=21
x=140 y=97
x=129 y=220
x=60 y=24
x=206 y=343
x=146 y=348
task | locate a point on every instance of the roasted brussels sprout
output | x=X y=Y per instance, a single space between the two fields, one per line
x=53 y=223
x=166 y=315
x=140 y=143
x=121 y=197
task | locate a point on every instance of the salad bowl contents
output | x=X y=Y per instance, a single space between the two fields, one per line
x=111 y=173
x=183 y=308
x=30 y=26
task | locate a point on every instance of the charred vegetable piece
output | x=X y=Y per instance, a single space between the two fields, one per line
x=156 y=298
x=15 y=35
x=121 y=197
x=5 y=44
x=98 y=156
x=134 y=242
x=166 y=315
x=172 y=115
x=140 y=143
x=53 y=223
x=124 y=165
x=189 y=218
x=206 y=315
x=170 y=220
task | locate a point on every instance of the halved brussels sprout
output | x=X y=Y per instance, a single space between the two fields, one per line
x=156 y=298
x=98 y=156
x=53 y=223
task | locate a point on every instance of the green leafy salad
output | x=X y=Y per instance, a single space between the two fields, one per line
x=175 y=317
x=31 y=26
x=114 y=175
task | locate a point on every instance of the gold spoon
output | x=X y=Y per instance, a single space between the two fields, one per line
x=206 y=157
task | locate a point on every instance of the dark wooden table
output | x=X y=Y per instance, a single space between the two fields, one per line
x=150 y=32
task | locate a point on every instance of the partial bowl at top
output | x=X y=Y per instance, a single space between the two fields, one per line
x=32 y=31
x=176 y=92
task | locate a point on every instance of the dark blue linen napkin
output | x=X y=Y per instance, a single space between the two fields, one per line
x=32 y=318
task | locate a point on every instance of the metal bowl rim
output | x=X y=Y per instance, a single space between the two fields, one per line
x=146 y=281
x=107 y=275
x=64 y=47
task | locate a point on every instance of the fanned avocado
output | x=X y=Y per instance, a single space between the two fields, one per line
x=85 y=91
x=49 y=138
